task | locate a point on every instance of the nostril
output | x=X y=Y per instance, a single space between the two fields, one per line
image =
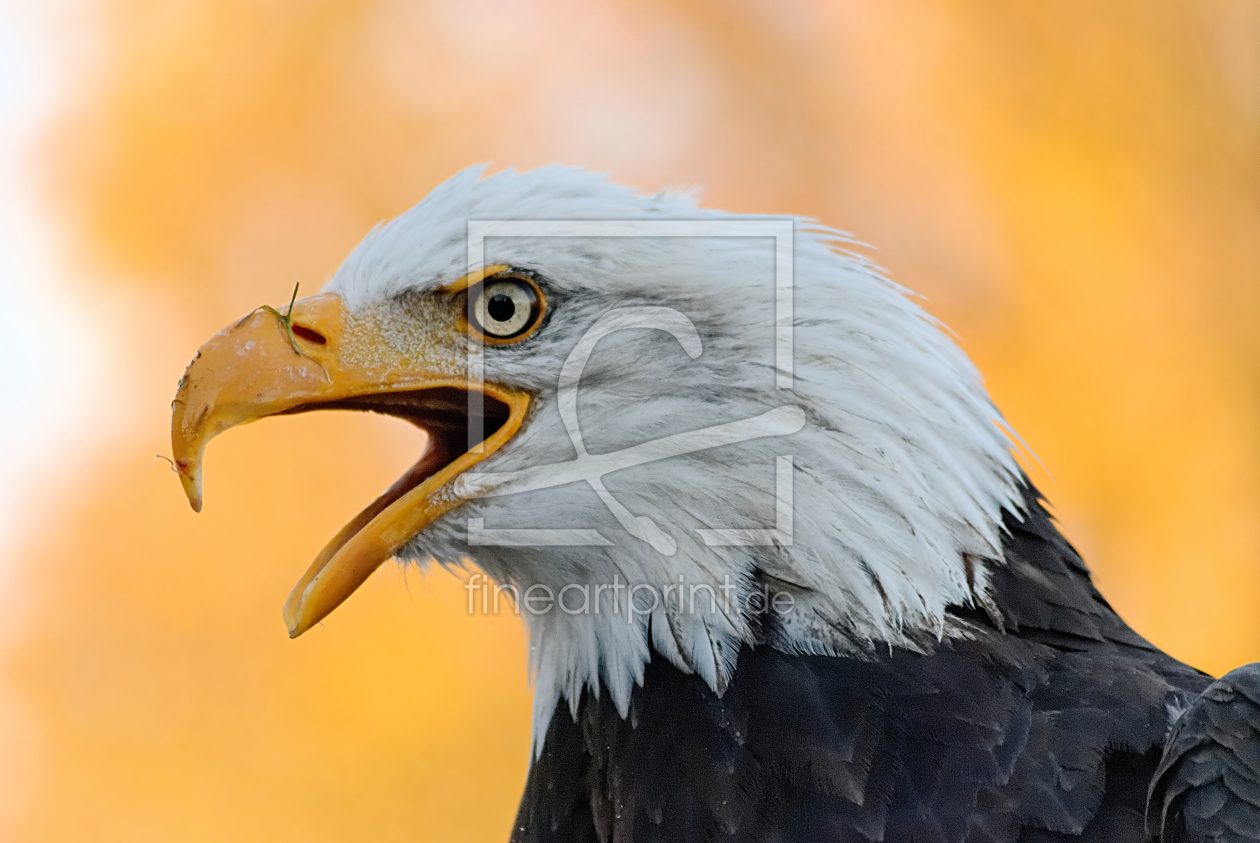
x=309 y=334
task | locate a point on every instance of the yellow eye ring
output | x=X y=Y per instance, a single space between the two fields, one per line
x=505 y=308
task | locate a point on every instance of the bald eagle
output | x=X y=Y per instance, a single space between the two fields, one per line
x=783 y=577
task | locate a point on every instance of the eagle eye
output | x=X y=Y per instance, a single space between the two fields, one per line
x=505 y=308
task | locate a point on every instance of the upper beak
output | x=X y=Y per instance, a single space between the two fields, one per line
x=262 y=366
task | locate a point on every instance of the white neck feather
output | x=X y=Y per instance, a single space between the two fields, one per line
x=901 y=471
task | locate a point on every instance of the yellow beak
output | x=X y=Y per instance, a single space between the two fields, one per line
x=262 y=367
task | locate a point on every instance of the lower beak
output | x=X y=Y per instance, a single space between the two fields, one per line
x=269 y=364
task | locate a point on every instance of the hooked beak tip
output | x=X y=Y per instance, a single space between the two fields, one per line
x=191 y=481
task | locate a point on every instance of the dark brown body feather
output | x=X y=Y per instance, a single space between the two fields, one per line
x=1046 y=724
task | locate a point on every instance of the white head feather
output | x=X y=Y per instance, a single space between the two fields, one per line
x=901 y=472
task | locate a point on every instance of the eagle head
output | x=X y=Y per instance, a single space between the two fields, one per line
x=654 y=427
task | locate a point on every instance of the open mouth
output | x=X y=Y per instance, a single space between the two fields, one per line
x=267 y=365
x=442 y=412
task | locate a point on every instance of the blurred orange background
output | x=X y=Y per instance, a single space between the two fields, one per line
x=1074 y=187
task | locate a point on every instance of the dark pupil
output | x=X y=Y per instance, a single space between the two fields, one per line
x=500 y=308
